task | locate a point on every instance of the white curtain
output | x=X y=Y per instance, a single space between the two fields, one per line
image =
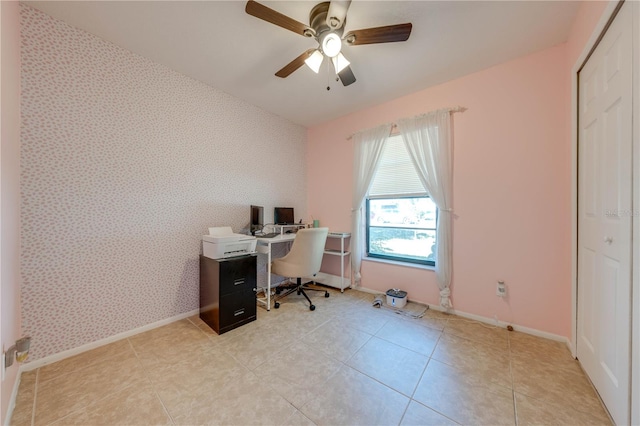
x=428 y=141
x=368 y=146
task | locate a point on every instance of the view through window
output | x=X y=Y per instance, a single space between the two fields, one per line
x=402 y=229
x=401 y=217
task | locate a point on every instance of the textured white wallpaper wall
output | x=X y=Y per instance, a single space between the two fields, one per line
x=125 y=164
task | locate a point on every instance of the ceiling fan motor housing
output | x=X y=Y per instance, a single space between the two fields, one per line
x=318 y=21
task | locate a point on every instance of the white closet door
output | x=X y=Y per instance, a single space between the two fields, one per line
x=605 y=216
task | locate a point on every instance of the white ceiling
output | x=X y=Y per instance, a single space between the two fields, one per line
x=217 y=43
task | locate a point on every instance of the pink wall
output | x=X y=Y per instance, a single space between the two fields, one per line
x=587 y=17
x=512 y=184
x=511 y=190
x=10 y=187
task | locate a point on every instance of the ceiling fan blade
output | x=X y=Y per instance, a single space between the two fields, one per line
x=388 y=34
x=337 y=13
x=295 y=64
x=346 y=76
x=260 y=11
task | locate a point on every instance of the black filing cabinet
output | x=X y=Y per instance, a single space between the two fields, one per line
x=227 y=292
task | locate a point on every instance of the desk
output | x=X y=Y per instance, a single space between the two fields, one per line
x=264 y=246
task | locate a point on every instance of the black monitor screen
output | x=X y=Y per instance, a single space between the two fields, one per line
x=257 y=219
x=283 y=216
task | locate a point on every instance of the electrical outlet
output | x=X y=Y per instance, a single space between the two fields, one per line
x=501 y=289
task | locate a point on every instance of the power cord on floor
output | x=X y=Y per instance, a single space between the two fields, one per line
x=485 y=325
x=476 y=322
x=378 y=302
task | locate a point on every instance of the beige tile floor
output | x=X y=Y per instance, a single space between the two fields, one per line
x=346 y=363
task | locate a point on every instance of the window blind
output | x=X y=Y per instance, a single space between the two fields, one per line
x=396 y=174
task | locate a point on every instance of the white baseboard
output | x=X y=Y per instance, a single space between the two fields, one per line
x=84 y=348
x=516 y=327
x=490 y=321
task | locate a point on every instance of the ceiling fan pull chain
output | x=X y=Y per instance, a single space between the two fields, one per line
x=328 y=75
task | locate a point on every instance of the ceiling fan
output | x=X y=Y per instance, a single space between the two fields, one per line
x=326 y=25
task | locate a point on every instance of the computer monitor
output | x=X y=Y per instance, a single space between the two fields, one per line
x=257 y=219
x=283 y=216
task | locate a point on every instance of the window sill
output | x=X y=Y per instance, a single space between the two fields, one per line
x=398 y=263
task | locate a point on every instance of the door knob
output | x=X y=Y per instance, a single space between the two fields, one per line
x=608 y=240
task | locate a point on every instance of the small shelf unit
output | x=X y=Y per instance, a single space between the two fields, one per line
x=343 y=253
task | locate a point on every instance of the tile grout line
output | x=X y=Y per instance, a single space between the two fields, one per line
x=301 y=341
x=474 y=342
x=404 y=347
x=514 y=357
x=87 y=408
x=153 y=386
x=413 y=392
x=84 y=407
x=344 y=363
x=513 y=387
x=35 y=398
x=430 y=358
x=543 y=399
x=89 y=365
x=409 y=397
x=198 y=327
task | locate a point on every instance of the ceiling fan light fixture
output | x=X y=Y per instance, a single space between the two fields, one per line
x=331 y=45
x=314 y=61
x=340 y=62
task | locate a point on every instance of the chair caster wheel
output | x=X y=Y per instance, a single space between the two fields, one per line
x=326 y=294
x=278 y=291
x=312 y=307
x=276 y=305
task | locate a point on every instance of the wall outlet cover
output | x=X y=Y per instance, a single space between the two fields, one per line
x=501 y=289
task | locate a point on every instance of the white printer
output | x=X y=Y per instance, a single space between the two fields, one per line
x=222 y=243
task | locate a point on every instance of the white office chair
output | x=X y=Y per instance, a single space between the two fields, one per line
x=303 y=260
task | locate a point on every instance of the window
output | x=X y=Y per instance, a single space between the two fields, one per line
x=401 y=217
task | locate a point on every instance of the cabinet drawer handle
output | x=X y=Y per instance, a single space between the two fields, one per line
x=238 y=312
x=238 y=281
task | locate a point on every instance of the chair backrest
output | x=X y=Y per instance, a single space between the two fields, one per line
x=305 y=257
